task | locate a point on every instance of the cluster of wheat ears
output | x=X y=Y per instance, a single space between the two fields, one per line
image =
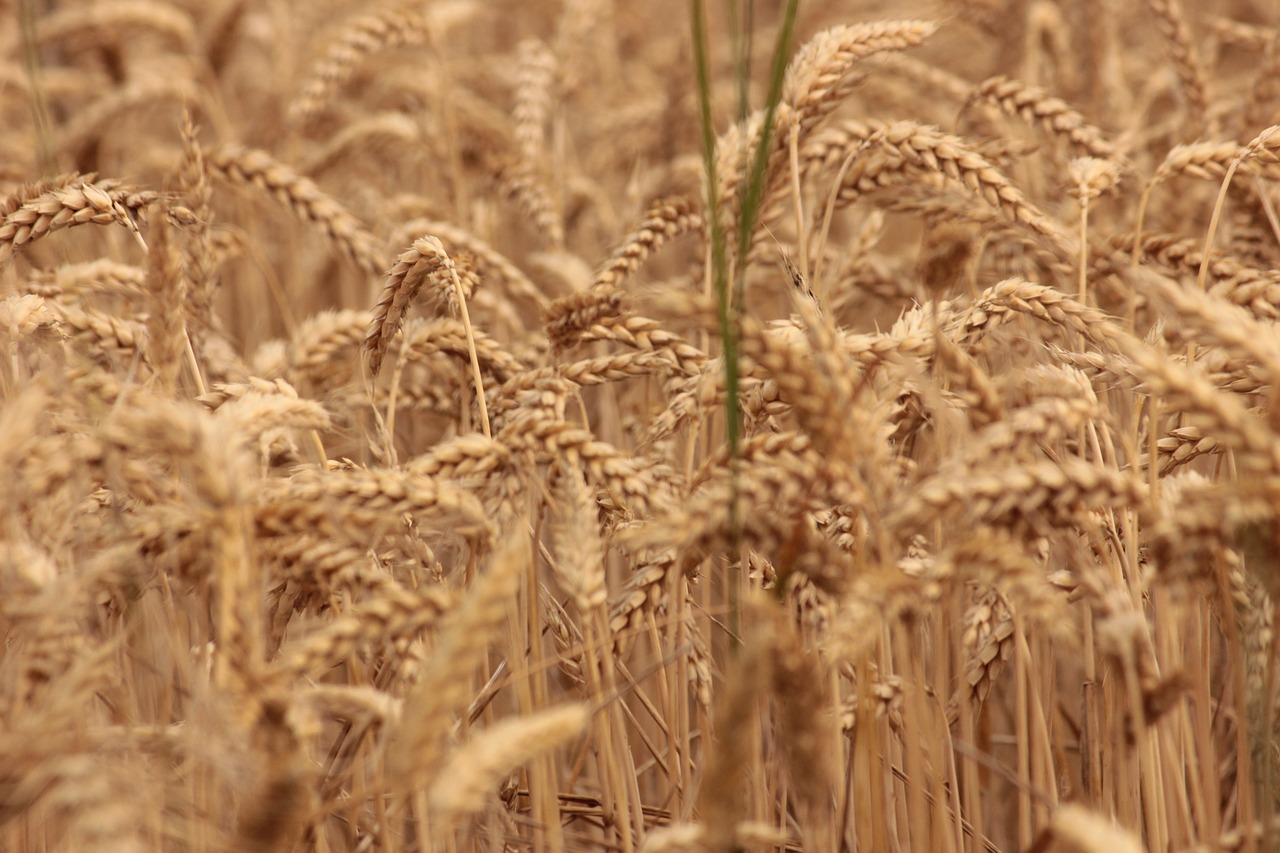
x=535 y=425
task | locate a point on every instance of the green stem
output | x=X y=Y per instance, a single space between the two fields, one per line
x=726 y=318
x=740 y=32
x=729 y=304
x=719 y=243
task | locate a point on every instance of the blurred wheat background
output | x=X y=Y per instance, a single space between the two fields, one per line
x=452 y=426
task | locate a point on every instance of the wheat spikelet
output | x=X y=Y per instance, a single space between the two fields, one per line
x=807 y=730
x=517 y=181
x=463 y=458
x=1219 y=414
x=637 y=486
x=302 y=566
x=950 y=156
x=819 y=75
x=1210 y=161
x=1255 y=289
x=423 y=262
x=323 y=339
x=1186 y=60
x=567 y=316
x=1200 y=522
x=1066 y=486
x=360 y=705
x=1080 y=829
x=579 y=567
x=414 y=748
x=1093 y=177
x=258 y=417
x=199 y=265
x=692 y=837
x=84 y=787
x=449 y=336
x=22 y=316
x=640 y=595
x=384 y=30
x=240 y=165
x=818 y=79
x=989 y=638
x=76 y=203
x=1255 y=613
x=971 y=384
x=535 y=81
x=33 y=190
x=224 y=392
x=1041 y=423
x=1217 y=321
x=362 y=503
x=104 y=332
x=665 y=220
x=1238 y=33
x=389 y=617
x=498 y=271
x=828 y=150
x=166 y=328
x=647 y=335
x=594 y=371
x=704 y=526
x=1013 y=296
x=1180 y=446
x=73 y=282
x=467 y=779
x=1036 y=106
x=568 y=640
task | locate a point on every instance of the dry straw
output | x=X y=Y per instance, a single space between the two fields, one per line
x=384 y=487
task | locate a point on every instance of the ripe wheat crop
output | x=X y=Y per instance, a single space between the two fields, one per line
x=462 y=425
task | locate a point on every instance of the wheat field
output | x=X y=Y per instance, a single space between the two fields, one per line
x=515 y=425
